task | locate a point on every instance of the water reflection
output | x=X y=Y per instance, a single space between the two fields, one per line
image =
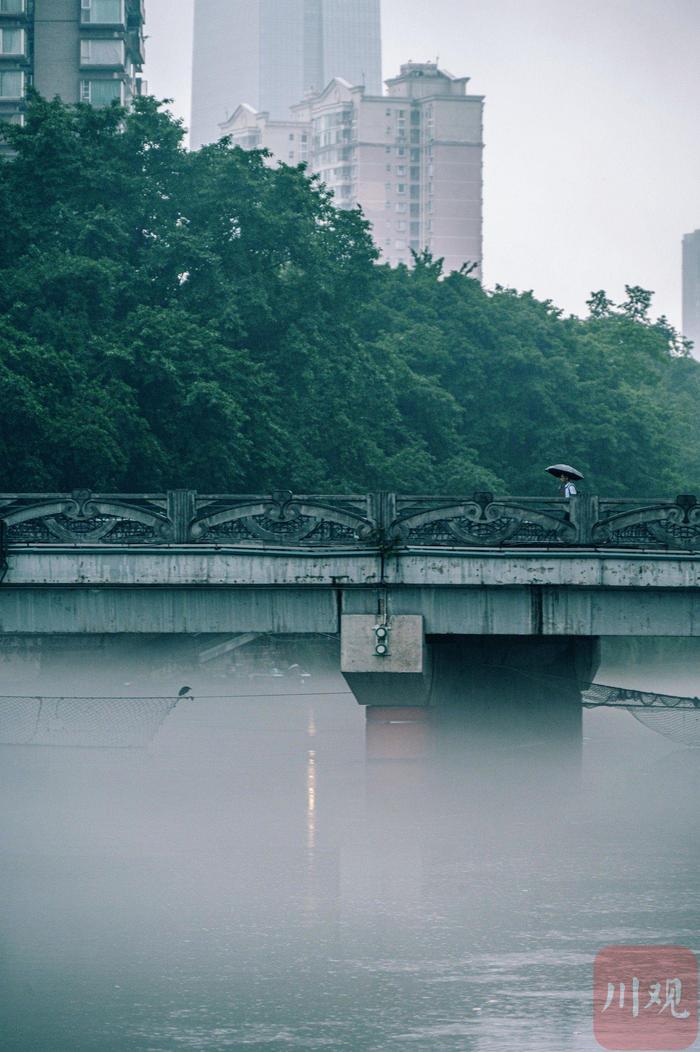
x=251 y=882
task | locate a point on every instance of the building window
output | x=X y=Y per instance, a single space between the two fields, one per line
x=415 y=116
x=401 y=206
x=401 y=188
x=102 y=52
x=415 y=229
x=401 y=169
x=401 y=225
x=388 y=187
x=101 y=92
x=388 y=113
x=102 y=12
x=415 y=210
x=12 y=7
x=401 y=245
x=12 y=84
x=415 y=245
x=387 y=149
x=12 y=118
x=11 y=41
x=291 y=136
x=401 y=151
x=388 y=168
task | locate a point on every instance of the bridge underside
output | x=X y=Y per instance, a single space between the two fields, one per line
x=517 y=610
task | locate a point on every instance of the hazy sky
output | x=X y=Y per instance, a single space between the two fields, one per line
x=592 y=161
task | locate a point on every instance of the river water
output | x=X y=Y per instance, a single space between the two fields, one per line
x=251 y=882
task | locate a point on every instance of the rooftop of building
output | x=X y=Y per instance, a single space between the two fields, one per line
x=414 y=70
x=423 y=80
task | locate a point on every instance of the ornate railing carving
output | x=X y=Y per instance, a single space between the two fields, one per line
x=283 y=518
x=673 y=525
x=482 y=521
x=382 y=521
x=81 y=517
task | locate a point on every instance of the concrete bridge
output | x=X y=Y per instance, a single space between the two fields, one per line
x=423 y=591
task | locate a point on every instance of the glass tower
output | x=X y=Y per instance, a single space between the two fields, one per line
x=269 y=53
x=691 y=289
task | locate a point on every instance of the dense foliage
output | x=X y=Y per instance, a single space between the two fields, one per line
x=202 y=319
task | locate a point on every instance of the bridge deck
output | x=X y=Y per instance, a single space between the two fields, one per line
x=180 y=562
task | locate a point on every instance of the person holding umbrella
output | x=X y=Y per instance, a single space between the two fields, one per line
x=567 y=476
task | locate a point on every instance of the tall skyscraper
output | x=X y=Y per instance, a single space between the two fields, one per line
x=691 y=289
x=82 y=50
x=412 y=158
x=270 y=53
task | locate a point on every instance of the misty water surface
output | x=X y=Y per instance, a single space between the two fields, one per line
x=251 y=882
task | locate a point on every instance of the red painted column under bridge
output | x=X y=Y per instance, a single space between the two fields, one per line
x=397 y=732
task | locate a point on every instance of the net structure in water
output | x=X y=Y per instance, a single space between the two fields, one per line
x=675 y=717
x=109 y=723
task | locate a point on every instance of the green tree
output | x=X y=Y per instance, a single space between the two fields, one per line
x=212 y=320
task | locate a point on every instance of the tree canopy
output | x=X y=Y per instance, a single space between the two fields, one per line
x=207 y=320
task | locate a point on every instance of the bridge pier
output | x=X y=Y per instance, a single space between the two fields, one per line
x=481 y=693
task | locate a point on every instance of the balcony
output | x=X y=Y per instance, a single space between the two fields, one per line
x=137 y=47
x=103 y=13
x=13 y=43
x=11 y=85
x=135 y=13
x=13 y=8
x=107 y=54
x=100 y=92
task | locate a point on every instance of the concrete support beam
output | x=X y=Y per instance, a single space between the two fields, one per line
x=535 y=609
x=47 y=611
x=401 y=677
x=190 y=566
x=404 y=642
x=183 y=588
x=220 y=649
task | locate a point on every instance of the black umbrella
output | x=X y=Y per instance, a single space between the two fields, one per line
x=564 y=469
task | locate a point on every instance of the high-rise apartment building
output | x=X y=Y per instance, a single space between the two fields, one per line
x=412 y=158
x=83 y=50
x=269 y=53
x=691 y=289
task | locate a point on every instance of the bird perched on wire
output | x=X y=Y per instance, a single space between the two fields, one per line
x=183 y=691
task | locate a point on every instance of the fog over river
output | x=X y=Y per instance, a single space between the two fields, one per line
x=251 y=881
